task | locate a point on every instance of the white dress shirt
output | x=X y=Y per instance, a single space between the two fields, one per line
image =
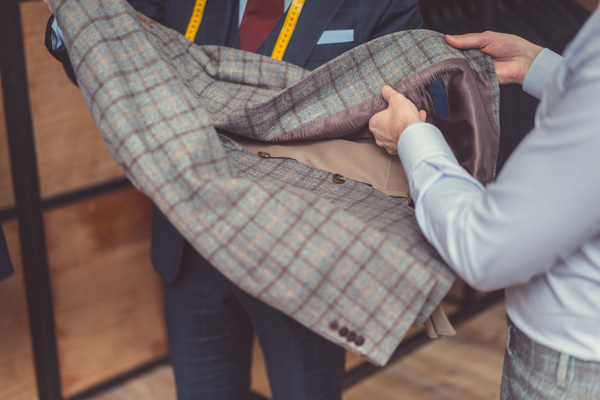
x=536 y=229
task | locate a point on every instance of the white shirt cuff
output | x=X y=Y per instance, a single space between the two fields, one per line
x=420 y=141
x=540 y=72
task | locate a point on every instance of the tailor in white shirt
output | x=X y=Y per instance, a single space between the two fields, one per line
x=536 y=230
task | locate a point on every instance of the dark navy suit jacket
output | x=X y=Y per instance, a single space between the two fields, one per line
x=368 y=18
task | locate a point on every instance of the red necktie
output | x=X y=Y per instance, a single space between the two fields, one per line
x=260 y=18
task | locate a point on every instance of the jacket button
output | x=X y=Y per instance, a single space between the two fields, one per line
x=339 y=179
x=343 y=331
x=333 y=325
x=351 y=336
x=359 y=341
x=264 y=154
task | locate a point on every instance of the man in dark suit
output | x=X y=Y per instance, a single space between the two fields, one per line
x=210 y=321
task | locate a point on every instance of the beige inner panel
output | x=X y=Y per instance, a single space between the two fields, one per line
x=71 y=154
x=362 y=162
x=107 y=297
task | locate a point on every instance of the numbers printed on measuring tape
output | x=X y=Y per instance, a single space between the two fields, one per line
x=291 y=19
x=195 y=20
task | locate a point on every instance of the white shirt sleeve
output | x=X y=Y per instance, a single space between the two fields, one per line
x=540 y=72
x=544 y=203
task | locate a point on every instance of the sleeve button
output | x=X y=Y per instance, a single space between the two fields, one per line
x=339 y=179
x=351 y=336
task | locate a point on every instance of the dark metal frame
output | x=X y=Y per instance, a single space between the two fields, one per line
x=29 y=210
x=28 y=202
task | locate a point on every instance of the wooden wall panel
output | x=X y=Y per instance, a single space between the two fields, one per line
x=17 y=373
x=107 y=297
x=6 y=189
x=71 y=154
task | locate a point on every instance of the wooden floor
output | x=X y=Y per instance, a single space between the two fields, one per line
x=467 y=366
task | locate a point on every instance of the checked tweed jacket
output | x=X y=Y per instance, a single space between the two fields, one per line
x=328 y=254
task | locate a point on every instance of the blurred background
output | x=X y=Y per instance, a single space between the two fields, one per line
x=81 y=317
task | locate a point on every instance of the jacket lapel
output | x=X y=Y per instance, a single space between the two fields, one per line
x=218 y=24
x=314 y=18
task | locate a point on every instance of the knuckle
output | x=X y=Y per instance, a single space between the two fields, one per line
x=372 y=124
x=487 y=36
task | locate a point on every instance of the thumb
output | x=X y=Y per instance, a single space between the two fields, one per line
x=387 y=92
x=468 y=41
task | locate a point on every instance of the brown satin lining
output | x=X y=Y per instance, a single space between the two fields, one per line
x=470 y=129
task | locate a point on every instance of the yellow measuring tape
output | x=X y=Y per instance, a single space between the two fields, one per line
x=291 y=19
x=195 y=21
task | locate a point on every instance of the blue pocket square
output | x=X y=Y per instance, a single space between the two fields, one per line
x=336 y=36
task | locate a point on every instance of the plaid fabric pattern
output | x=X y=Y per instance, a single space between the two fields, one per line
x=318 y=250
x=533 y=371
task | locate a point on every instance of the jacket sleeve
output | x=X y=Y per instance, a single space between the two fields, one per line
x=60 y=55
x=151 y=8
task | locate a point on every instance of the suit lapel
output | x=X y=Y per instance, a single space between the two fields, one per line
x=314 y=18
x=218 y=23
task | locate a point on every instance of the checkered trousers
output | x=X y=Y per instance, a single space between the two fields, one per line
x=326 y=252
x=533 y=371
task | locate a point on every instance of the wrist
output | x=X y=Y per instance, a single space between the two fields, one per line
x=411 y=120
x=411 y=123
x=529 y=58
